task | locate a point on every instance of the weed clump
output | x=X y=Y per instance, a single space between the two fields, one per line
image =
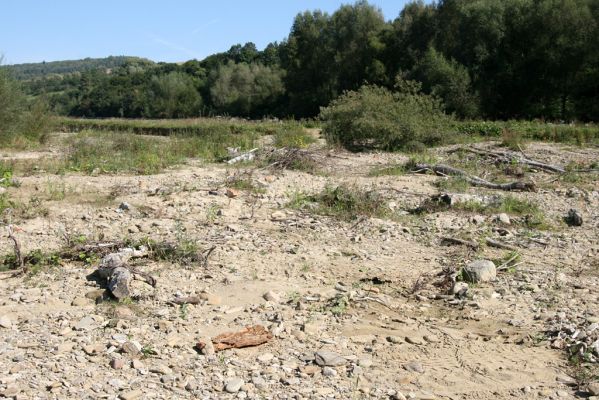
x=344 y=202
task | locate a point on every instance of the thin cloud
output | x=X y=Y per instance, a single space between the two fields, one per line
x=174 y=46
x=204 y=26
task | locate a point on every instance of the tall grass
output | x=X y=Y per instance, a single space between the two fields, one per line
x=112 y=152
x=182 y=127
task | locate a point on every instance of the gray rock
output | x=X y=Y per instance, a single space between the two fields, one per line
x=124 y=206
x=259 y=382
x=574 y=218
x=414 y=366
x=86 y=323
x=329 y=359
x=328 y=371
x=480 y=271
x=594 y=388
x=233 y=385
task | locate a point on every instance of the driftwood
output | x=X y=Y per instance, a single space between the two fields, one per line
x=446 y=170
x=509 y=158
x=247 y=337
x=499 y=245
x=447 y=241
x=114 y=270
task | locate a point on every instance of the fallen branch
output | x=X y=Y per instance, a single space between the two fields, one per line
x=509 y=158
x=499 y=245
x=442 y=169
x=447 y=241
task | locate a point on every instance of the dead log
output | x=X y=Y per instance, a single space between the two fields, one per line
x=447 y=241
x=509 y=158
x=445 y=170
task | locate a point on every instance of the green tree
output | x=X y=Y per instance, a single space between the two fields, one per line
x=448 y=80
x=249 y=90
x=172 y=96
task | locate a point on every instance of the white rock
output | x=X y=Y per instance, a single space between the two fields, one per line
x=5 y=322
x=480 y=271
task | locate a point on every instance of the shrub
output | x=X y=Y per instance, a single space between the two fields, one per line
x=19 y=121
x=374 y=117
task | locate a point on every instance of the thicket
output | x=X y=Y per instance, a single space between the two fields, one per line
x=485 y=59
x=20 y=121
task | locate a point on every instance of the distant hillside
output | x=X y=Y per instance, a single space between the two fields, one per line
x=38 y=70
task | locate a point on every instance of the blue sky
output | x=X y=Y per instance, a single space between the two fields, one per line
x=176 y=30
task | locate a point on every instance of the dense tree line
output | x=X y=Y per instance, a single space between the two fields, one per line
x=482 y=58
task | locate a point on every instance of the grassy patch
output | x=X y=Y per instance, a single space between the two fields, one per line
x=344 y=202
x=453 y=184
x=293 y=137
x=389 y=170
x=35 y=261
x=532 y=215
x=109 y=152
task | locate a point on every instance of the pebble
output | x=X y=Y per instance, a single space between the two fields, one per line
x=271 y=296
x=131 y=395
x=329 y=359
x=328 y=371
x=84 y=324
x=5 y=322
x=414 y=366
x=265 y=357
x=161 y=369
x=211 y=299
x=395 y=339
x=278 y=216
x=232 y=193
x=131 y=348
x=414 y=340
x=117 y=363
x=594 y=388
x=259 y=382
x=233 y=385
x=80 y=302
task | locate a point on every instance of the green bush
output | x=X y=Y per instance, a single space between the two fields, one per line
x=19 y=121
x=374 y=117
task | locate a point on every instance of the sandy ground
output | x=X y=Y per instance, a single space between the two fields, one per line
x=401 y=335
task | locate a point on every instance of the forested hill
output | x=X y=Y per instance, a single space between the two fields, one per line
x=508 y=59
x=43 y=69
